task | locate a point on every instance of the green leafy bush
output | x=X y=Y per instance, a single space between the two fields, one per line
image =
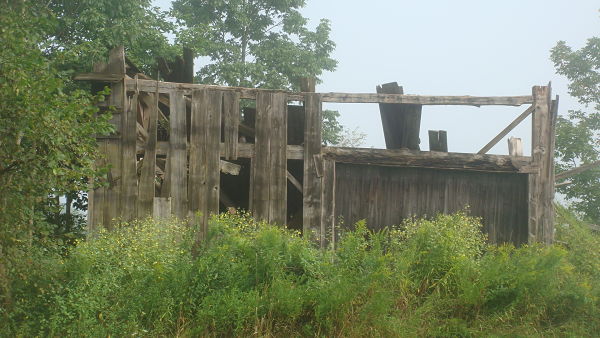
x=434 y=277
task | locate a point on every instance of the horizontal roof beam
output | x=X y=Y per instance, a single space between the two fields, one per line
x=250 y=93
x=431 y=159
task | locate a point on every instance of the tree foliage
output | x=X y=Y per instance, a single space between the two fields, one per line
x=85 y=31
x=578 y=134
x=47 y=146
x=254 y=43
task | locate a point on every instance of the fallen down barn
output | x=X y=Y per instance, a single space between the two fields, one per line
x=186 y=150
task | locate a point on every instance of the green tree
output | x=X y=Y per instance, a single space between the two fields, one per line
x=259 y=43
x=254 y=43
x=85 y=31
x=46 y=133
x=578 y=136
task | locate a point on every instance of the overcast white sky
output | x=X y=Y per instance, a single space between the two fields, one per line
x=457 y=47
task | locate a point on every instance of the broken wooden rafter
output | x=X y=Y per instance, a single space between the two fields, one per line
x=577 y=170
x=506 y=130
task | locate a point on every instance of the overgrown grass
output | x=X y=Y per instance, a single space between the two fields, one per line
x=427 y=278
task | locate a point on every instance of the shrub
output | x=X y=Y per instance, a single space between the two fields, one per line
x=432 y=277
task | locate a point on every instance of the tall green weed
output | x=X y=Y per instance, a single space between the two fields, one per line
x=435 y=277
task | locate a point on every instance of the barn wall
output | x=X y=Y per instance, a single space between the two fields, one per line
x=387 y=195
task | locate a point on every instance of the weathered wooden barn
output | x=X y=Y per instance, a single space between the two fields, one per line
x=182 y=148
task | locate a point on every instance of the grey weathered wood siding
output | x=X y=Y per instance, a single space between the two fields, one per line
x=386 y=195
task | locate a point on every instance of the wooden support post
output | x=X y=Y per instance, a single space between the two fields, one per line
x=312 y=182
x=515 y=147
x=438 y=140
x=401 y=122
x=269 y=165
x=541 y=184
x=178 y=155
x=113 y=151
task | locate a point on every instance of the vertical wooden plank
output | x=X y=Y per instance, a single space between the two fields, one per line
x=212 y=155
x=438 y=140
x=269 y=165
x=129 y=187
x=278 y=160
x=178 y=155
x=311 y=186
x=541 y=194
x=231 y=113
x=328 y=202
x=204 y=179
x=401 y=122
x=147 y=186
x=161 y=208
x=197 y=140
x=97 y=195
x=260 y=170
x=443 y=140
x=112 y=198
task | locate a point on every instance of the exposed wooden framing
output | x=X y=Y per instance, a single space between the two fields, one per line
x=245 y=150
x=515 y=147
x=426 y=159
x=231 y=114
x=269 y=165
x=213 y=110
x=438 y=140
x=577 y=170
x=541 y=184
x=401 y=122
x=250 y=93
x=427 y=100
x=506 y=130
x=328 y=203
x=178 y=155
x=129 y=186
x=148 y=175
x=313 y=139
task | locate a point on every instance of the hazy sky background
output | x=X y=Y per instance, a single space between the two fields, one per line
x=458 y=47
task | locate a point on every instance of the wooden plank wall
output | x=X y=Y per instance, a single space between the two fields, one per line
x=268 y=177
x=387 y=195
